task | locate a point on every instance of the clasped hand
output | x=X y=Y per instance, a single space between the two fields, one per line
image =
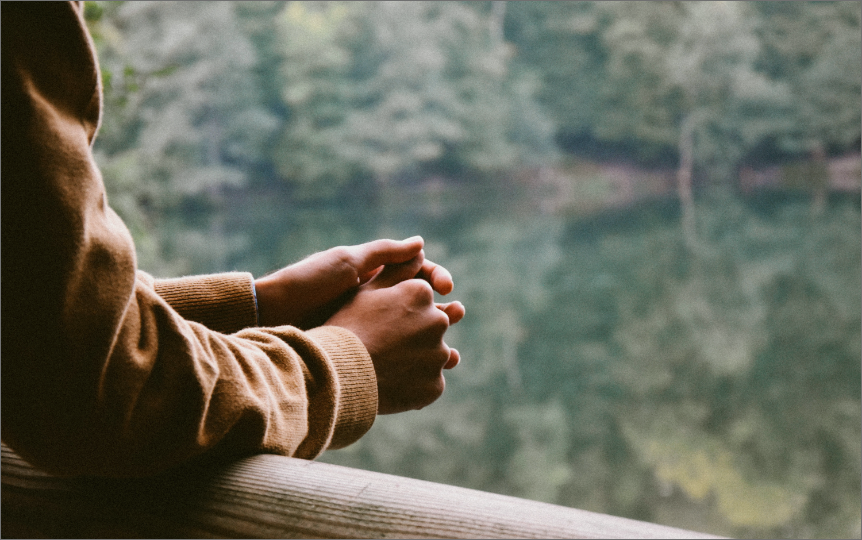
x=382 y=291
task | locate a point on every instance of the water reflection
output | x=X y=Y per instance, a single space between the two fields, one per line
x=608 y=368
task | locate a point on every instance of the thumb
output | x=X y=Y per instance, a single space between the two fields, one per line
x=371 y=256
x=393 y=274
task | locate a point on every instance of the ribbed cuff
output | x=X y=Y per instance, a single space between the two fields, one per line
x=357 y=407
x=221 y=302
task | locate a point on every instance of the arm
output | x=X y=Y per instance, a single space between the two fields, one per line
x=100 y=375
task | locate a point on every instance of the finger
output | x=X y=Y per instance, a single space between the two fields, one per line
x=439 y=278
x=393 y=274
x=372 y=255
x=454 y=310
x=454 y=359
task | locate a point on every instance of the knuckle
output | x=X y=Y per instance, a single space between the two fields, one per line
x=421 y=290
x=432 y=391
x=342 y=260
x=441 y=322
x=384 y=244
x=439 y=358
x=341 y=254
x=438 y=386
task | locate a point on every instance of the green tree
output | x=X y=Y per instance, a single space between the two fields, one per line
x=814 y=49
x=183 y=121
x=561 y=43
x=708 y=82
x=379 y=88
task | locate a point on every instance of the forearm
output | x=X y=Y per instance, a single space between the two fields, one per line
x=174 y=389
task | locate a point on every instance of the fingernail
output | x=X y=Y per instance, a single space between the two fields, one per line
x=413 y=238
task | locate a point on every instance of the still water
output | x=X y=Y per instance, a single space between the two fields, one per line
x=607 y=367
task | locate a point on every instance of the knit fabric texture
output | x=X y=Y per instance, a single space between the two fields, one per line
x=105 y=370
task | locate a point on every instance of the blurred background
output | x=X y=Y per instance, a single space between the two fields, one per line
x=651 y=211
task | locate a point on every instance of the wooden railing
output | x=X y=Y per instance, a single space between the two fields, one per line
x=278 y=497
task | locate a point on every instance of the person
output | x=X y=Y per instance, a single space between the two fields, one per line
x=107 y=371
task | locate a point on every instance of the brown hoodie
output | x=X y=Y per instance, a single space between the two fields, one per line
x=106 y=371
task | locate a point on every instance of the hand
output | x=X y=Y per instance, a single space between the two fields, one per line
x=402 y=328
x=307 y=293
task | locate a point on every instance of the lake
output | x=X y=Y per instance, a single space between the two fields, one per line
x=605 y=366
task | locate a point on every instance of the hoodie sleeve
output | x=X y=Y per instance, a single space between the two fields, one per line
x=224 y=302
x=104 y=371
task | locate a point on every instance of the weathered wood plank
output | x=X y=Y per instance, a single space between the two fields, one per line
x=278 y=497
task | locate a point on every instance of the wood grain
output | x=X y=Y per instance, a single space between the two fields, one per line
x=279 y=497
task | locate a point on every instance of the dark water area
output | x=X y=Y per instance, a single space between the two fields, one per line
x=608 y=367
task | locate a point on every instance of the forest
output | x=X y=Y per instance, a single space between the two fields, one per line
x=651 y=211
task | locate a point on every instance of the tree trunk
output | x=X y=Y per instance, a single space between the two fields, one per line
x=683 y=181
x=818 y=179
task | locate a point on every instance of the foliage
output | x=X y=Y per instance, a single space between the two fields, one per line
x=327 y=97
x=375 y=89
x=182 y=123
x=813 y=47
x=751 y=74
